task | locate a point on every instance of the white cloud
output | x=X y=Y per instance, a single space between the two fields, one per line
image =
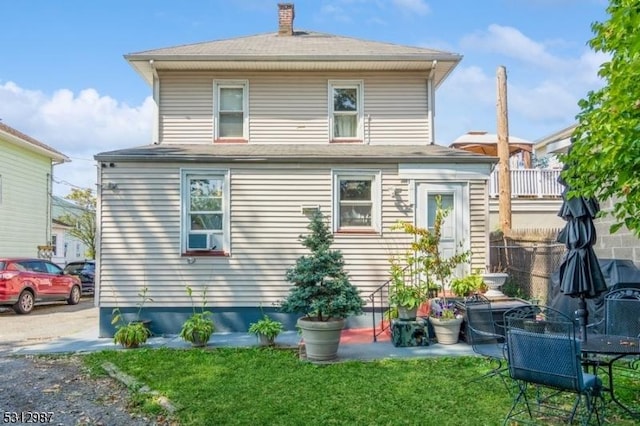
x=543 y=88
x=510 y=42
x=419 y=7
x=79 y=126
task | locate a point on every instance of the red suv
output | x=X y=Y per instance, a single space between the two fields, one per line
x=23 y=282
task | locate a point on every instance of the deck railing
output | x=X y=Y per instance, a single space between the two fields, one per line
x=540 y=183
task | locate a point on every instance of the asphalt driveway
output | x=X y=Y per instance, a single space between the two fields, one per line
x=46 y=323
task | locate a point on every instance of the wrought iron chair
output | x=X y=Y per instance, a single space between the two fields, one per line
x=622 y=312
x=621 y=318
x=543 y=351
x=481 y=332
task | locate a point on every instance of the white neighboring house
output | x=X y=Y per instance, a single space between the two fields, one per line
x=535 y=192
x=252 y=135
x=556 y=143
x=66 y=247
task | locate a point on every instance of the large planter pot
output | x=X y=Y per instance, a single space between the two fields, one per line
x=447 y=330
x=321 y=338
x=494 y=281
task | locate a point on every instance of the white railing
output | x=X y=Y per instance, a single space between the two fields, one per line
x=529 y=183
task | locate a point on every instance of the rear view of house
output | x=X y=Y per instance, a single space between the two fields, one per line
x=251 y=136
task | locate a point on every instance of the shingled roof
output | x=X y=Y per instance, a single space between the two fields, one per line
x=26 y=141
x=299 y=51
x=309 y=153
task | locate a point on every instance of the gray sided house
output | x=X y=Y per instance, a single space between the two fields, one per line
x=252 y=135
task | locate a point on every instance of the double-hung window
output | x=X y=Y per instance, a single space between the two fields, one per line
x=356 y=201
x=205 y=200
x=231 y=109
x=345 y=110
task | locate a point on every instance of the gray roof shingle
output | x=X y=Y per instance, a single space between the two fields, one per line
x=305 y=50
x=32 y=143
x=310 y=153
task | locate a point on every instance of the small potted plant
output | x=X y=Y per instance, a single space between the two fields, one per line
x=266 y=329
x=199 y=327
x=405 y=295
x=467 y=285
x=131 y=334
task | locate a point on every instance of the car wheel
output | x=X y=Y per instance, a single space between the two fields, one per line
x=74 y=297
x=24 y=305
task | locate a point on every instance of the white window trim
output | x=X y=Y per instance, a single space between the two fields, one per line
x=346 y=84
x=376 y=199
x=244 y=85
x=185 y=174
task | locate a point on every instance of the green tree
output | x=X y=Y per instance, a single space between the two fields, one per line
x=321 y=285
x=83 y=224
x=604 y=160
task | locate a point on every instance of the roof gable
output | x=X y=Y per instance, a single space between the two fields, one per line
x=16 y=137
x=304 y=50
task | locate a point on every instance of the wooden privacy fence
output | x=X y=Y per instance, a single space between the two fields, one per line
x=530 y=260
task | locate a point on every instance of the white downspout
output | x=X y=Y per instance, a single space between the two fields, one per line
x=431 y=103
x=155 y=137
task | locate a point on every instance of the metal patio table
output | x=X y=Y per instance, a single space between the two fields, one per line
x=615 y=348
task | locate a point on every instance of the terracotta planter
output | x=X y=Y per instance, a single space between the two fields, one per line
x=321 y=338
x=447 y=330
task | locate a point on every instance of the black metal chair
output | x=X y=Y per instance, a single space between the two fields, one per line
x=481 y=332
x=622 y=312
x=543 y=351
x=621 y=317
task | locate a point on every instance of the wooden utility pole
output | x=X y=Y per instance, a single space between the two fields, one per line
x=504 y=174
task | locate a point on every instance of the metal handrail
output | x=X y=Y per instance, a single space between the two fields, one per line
x=382 y=294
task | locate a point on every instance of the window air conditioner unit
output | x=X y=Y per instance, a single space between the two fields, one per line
x=201 y=242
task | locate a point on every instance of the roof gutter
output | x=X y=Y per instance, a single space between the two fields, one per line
x=208 y=159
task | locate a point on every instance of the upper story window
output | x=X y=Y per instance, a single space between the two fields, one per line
x=345 y=110
x=231 y=110
x=205 y=220
x=356 y=201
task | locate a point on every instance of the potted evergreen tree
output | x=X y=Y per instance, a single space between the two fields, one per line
x=321 y=292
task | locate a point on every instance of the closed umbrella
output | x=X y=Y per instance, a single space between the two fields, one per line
x=580 y=273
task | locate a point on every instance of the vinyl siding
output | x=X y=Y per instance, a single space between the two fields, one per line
x=24 y=206
x=292 y=107
x=140 y=234
x=478 y=222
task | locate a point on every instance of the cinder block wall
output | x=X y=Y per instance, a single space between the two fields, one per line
x=621 y=245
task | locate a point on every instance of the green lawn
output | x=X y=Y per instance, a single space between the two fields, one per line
x=272 y=387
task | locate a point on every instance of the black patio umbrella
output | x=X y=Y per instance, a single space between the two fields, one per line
x=580 y=273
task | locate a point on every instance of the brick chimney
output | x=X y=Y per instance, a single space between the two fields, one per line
x=285 y=19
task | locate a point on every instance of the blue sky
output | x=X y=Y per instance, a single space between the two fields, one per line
x=64 y=81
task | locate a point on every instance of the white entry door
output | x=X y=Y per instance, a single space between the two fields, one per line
x=455 y=234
